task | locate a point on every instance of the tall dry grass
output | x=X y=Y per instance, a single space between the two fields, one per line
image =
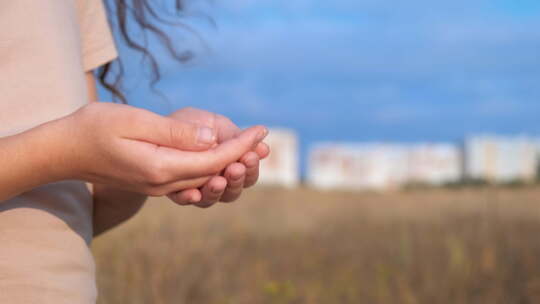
x=302 y=246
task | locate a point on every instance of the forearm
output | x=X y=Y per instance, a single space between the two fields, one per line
x=33 y=158
x=113 y=207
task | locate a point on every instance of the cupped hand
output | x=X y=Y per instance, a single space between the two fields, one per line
x=227 y=186
x=136 y=150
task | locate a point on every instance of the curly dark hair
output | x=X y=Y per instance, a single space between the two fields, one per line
x=124 y=14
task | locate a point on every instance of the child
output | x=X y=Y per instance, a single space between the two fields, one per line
x=54 y=138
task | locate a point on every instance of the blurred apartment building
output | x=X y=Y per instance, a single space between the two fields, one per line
x=386 y=166
x=281 y=168
x=499 y=159
x=538 y=159
x=434 y=164
x=362 y=166
x=382 y=166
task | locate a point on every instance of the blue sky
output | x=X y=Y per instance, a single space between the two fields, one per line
x=362 y=70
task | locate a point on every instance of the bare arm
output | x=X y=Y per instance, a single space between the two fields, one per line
x=118 y=145
x=32 y=158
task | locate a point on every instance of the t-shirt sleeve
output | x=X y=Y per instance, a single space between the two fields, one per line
x=97 y=41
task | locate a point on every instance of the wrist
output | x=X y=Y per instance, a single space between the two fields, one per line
x=31 y=159
x=51 y=152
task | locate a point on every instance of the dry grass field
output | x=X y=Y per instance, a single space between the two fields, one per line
x=277 y=246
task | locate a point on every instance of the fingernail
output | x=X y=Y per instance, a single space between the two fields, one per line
x=206 y=135
x=262 y=134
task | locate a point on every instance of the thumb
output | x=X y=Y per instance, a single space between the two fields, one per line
x=188 y=136
x=171 y=133
x=196 y=164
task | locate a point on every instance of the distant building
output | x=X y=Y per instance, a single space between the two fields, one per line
x=382 y=166
x=357 y=167
x=538 y=159
x=434 y=164
x=501 y=159
x=281 y=168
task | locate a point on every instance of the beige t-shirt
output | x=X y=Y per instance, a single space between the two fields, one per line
x=46 y=46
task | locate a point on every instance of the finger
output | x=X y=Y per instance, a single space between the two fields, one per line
x=190 y=164
x=212 y=192
x=235 y=175
x=186 y=197
x=263 y=150
x=179 y=186
x=251 y=161
x=168 y=132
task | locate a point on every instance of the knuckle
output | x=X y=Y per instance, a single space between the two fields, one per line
x=179 y=132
